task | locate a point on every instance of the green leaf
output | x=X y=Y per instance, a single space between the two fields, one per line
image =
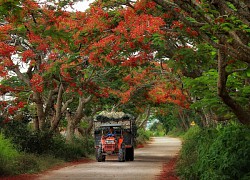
x=248 y=73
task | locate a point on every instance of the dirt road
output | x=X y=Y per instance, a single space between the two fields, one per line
x=146 y=166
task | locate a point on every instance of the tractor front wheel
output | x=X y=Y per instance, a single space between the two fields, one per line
x=121 y=155
x=99 y=157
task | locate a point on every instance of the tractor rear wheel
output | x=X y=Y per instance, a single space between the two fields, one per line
x=103 y=157
x=130 y=154
x=127 y=154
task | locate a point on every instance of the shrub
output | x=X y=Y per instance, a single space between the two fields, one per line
x=189 y=153
x=229 y=154
x=80 y=147
x=31 y=163
x=26 y=163
x=8 y=155
x=143 y=136
x=46 y=143
x=215 y=153
x=176 y=132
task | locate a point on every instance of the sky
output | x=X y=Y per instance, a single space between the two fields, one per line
x=82 y=5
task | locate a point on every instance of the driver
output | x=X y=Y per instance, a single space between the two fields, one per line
x=111 y=132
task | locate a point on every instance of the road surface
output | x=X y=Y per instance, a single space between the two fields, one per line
x=146 y=166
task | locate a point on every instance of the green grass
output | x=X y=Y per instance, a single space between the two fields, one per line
x=8 y=155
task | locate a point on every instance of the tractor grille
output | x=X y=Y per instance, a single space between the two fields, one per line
x=109 y=147
x=109 y=142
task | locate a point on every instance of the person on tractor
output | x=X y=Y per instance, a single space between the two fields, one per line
x=111 y=132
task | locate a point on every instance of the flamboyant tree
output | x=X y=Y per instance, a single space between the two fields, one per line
x=55 y=53
x=40 y=45
x=224 y=25
x=69 y=57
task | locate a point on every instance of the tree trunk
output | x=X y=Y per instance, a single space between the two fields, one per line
x=184 y=125
x=242 y=114
x=70 y=127
x=58 y=114
x=202 y=117
x=39 y=110
x=143 y=124
x=90 y=127
x=36 y=123
x=73 y=121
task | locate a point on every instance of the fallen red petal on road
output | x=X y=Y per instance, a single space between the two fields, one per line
x=168 y=170
x=140 y=146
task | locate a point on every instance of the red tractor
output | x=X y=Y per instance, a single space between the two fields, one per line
x=120 y=142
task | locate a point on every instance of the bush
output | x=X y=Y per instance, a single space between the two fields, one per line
x=58 y=152
x=176 y=132
x=29 y=163
x=26 y=163
x=46 y=143
x=80 y=147
x=8 y=155
x=215 y=153
x=143 y=136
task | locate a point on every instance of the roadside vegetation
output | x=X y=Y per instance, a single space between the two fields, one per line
x=13 y=161
x=143 y=136
x=218 y=153
x=25 y=151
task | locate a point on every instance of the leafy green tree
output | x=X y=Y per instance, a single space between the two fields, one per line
x=225 y=26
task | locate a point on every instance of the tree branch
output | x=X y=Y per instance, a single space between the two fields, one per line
x=241 y=113
x=21 y=76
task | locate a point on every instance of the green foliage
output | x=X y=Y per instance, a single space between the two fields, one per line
x=80 y=147
x=31 y=163
x=157 y=129
x=191 y=61
x=12 y=162
x=204 y=90
x=9 y=7
x=216 y=153
x=27 y=140
x=8 y=155
x=176 y=132
x=143 y=136
x=26 y=163
x=47 y=143
x=159 y=42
